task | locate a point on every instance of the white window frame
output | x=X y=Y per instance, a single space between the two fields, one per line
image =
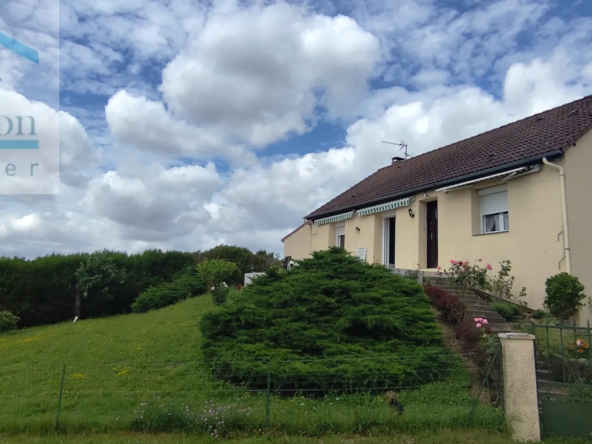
x=386 y=236
x=337 y=226
x=500 y=215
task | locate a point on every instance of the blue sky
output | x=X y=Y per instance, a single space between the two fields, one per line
x=184 y=124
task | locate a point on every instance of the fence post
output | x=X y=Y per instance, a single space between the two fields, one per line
x=268 y=393
x=520 y=386
x=57 y=419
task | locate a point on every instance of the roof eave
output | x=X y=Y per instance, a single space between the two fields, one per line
x=524 y=162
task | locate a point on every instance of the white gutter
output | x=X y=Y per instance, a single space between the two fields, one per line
x=564 y=209
x=470 y=183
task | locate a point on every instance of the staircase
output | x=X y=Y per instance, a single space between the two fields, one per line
x=476 y=307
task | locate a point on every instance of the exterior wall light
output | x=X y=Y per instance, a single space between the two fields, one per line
x=411 y=214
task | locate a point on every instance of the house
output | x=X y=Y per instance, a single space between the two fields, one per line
x=521 y=192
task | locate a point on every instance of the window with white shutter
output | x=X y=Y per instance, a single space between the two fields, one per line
x=494 y=209
x=340 y=241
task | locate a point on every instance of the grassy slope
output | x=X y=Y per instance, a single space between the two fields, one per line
x=167 y=335
x=109 y=362
x=144 y=372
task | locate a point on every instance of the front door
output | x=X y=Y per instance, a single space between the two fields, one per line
x=432 y=233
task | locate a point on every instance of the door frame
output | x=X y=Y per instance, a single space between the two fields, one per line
x=386 y=235
x=428 y=205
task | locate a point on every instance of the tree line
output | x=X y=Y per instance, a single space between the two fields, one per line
x=55 y=288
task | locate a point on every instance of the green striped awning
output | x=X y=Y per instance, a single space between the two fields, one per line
x=384 y=207
x=336 y=218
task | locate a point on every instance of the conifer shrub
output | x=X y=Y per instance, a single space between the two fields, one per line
x=332 y=323
x=184 y=286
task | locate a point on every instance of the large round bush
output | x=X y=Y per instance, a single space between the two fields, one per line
x=331 y=323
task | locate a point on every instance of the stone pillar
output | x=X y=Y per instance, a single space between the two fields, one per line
x=520 y=386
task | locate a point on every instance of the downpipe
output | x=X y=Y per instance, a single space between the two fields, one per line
x=566 y=246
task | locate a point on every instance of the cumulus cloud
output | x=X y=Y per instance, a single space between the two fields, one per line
x=260 y=72
x=146 y=124
x=154 y=203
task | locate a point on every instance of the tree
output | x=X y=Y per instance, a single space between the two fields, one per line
x=96 y=279
x=216 y=273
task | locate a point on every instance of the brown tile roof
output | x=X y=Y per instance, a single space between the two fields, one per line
x=516 y=144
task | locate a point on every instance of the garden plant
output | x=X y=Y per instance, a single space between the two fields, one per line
x=332 y=305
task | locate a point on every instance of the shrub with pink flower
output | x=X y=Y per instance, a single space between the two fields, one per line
x=463 y=274
x=480 y=322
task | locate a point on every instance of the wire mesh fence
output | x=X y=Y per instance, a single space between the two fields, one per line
x=339 y=394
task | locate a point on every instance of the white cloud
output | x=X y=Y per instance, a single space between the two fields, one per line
x=147 y=125
x=153 y=203
x=257 y=72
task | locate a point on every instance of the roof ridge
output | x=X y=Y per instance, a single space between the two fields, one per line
x=491 y=130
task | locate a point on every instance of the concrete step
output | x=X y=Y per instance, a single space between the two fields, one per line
x=490 y=319
x=473 y=301
x=478 y=306
x=500 y=327
x=484 y=312
x=543 y=374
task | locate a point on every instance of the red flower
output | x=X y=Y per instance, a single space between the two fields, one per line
x=238 y=287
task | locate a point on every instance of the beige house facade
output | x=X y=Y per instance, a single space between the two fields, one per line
x=535 y=209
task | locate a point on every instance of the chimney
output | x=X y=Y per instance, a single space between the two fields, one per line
x=396 y=159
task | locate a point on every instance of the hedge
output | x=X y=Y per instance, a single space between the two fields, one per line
x=43 y=290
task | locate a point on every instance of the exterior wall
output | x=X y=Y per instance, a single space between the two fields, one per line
x=369 y=236
x=578 y=163
x=298 y=244
x=533 y=243
x=323 y=237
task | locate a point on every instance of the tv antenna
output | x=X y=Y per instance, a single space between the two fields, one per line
x=401 y=144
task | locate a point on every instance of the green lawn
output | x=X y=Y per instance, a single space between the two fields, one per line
x=144 y=372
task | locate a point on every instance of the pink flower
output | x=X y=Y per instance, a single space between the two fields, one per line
x=453 y=262
x=485 y=322
x=478 y=325
x=478 y=319
x=479 y=260
x=488 y=266
x=439 y=268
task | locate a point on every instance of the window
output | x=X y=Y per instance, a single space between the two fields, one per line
x=340 y=230
x=494 y=210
